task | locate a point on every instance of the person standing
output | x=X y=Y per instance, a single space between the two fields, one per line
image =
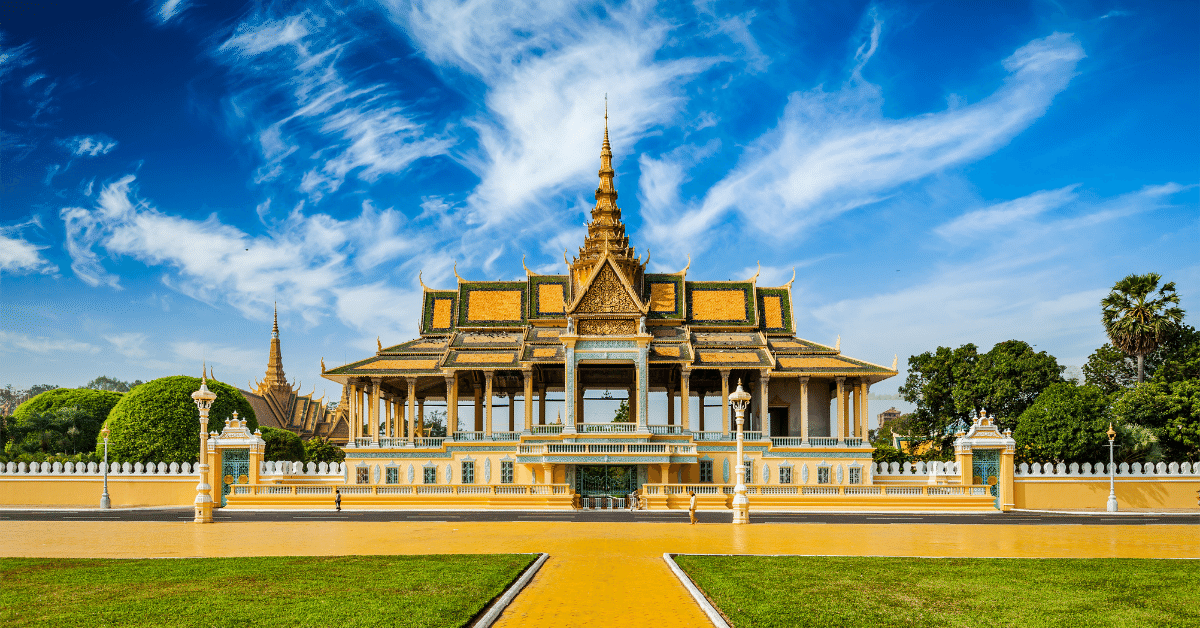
x=337 y=499
x=692 y=506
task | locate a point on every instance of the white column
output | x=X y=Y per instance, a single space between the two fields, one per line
x=804 y=410
x=841 y=408
x=725 y=402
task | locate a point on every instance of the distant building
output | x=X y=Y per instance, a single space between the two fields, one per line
x=277 y=404
x=891 y=414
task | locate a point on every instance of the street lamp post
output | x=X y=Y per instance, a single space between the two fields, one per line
x=204 y=504
x=105 y=502
x=741 y=504
x=1112 y=486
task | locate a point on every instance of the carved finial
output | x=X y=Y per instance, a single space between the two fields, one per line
x=685 y=268
x=565 y=261
x=789 y=283
x=378 y=344
x=756 y=273
x=322 y=364
x=424 y=287
x=275 y=326
x=210 y=374
x=895 y=360
x=460 y=279
x=203 y=377
x=647 y=257
x=838 y=346
x=527 y=271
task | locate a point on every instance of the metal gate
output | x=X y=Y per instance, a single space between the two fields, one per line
x=985 y=469
x=611 y=481
x=235 y=469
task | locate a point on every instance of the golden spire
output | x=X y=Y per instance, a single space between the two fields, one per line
x=275 y=377
x=605 y=231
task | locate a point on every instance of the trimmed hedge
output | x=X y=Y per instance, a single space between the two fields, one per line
x=158 y=421
x=96 y=404
x=282 y=445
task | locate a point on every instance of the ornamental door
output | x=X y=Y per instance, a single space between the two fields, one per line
x=235 y=469
x=985 y=469
x=607 y=480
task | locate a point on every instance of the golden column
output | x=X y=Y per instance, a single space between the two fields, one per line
x=421 y=416
x=725 y=402
x=542 y=404
x=487 y=421
x=374 y=410
x=670 y=404
x=841 y=408
x=478 y=407
x=412 y=414
x=451 y=404
x=864 y=388
x=527 y=402
x=685 y=398
x=803 y=410
x=764 y=409
x=512 y=410
x=352 y=411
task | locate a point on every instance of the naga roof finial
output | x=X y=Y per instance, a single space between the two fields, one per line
x=756 y=273
x=789 y=283
x=422 y=281
x=460 y=279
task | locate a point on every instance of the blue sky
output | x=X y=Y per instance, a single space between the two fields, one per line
x=936 y=173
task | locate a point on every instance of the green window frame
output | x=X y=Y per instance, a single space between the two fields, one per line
x=855 y=475
x=430 y=475
x=706 y=471
x=468 y=472
x=785 y=475
x=823 y=475
x=506 y=472
x=392 y=475
x=362 y=475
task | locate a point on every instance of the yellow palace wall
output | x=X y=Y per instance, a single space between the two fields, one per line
x=125 y=492
x=1042 y=493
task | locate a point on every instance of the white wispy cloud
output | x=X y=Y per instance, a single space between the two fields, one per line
x=1020 y=278
x=43 y=345
x=169 y=9
x=88 y=145
x=18 y=255
x=547 y=67
x=309 y=114
x=234 y=358
x=834 y=151
x=129 y=344
x=313 y=265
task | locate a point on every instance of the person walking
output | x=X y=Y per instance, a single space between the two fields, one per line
x=692 y=507
x=337 y=499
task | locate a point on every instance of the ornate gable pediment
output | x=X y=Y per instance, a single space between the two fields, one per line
x=607 y=293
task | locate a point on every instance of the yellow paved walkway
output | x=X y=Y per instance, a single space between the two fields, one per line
x=594 y=563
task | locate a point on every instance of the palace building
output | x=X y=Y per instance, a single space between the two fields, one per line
x=664 y=340
x=280 y=405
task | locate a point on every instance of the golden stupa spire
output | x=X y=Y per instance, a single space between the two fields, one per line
x=275 y=377
x=605 y=231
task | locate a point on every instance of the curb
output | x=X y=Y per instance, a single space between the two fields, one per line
x=510 y=594
x=713 y=615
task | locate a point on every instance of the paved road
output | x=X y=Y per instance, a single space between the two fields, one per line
x=1017 y=518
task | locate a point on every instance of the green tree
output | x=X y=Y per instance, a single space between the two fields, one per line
x=622 y=414
x=1006 y=380
x=94 y=406
x=1178 y=358
x=105 y=382
x=321 y=450
x=158 y=421
x=1110 y=370
x=282 y=445
x=435 y=424
x=40 y=431
x=1172 y=410
x=1137 y=319
x=932 y=380
x=1067 y=423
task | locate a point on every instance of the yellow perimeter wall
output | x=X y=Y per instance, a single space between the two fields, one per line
x=1041 y=493
x=123 y=491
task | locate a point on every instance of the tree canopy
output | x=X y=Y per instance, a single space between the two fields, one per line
x=282 y=445
x=1067 y=423
x=62 y=420
x=1137 y=319
x=1171 y=409
x=105 y=382
x=952 y=385
x=158 y=421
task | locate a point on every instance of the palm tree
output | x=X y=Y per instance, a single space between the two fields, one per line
x=1135 y=322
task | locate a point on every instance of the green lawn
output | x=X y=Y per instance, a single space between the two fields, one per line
x=272 y=591
x=765 y=591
